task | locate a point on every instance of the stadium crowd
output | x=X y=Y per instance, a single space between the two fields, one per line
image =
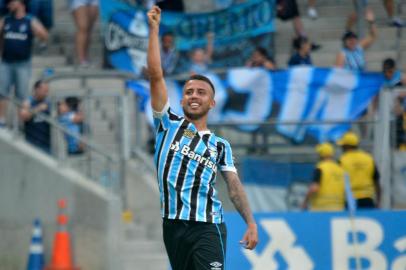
x=37 y=19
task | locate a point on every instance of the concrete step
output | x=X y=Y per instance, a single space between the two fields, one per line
x=144 y=247
x=48 y=61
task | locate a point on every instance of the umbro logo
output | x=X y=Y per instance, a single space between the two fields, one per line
x=215 y=266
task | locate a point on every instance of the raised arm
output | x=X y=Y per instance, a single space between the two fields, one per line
x=372 y=34
x=159 y=96
x=239 y=199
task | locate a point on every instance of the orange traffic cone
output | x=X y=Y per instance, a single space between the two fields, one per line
x=61 y=255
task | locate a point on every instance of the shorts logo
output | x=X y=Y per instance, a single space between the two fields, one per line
x=215 y=266
x=188 y=133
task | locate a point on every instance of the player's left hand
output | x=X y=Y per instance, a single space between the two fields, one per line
x=250 y=238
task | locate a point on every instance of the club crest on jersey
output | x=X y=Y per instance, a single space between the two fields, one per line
x=188 y=133
x=213 y=152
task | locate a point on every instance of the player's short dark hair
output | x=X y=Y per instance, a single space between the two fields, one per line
x=201 y=78
x=388 y=63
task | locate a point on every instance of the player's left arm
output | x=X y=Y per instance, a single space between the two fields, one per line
x=239 y=199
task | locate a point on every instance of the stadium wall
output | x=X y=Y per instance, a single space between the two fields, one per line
x=30 y=185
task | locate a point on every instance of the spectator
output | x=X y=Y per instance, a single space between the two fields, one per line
x=200 y=58
x=395 y=78
x=260 y=58
x=287 y=10
x=311 y=9
x=390 y=11
x=352 y=56
x=393 y=20
x=17 y=31
x=327 y=192
x=71 y=118
x=169 y=54
x=43 y=10
x=301 y=56
x=362 y=170
x=36 y=129
x=85 y=13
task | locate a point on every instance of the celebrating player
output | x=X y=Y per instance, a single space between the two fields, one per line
x=187 y=156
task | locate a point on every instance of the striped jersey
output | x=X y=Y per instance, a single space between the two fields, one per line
x=187 y=162
x=354 y=59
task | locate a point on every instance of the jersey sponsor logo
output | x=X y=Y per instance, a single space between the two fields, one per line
x=188 y=133
x=186 y=151
x=16 y=36
x=216 y=265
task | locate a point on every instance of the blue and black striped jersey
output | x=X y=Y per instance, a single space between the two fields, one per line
x=187 y=162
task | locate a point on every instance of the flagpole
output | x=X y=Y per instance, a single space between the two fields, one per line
x=351 y=203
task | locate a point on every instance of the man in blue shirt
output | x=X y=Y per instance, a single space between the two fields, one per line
x=17 y=31
x=187 y=157
x=36 y=128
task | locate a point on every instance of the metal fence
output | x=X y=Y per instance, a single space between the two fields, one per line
x=106 y=128
x=375 y=130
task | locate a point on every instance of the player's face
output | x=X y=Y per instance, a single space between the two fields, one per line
x=198 y=99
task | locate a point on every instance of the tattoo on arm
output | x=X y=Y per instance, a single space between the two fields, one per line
x=238 y=196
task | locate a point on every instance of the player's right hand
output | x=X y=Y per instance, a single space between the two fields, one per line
x=250 y=238
x=154 y=16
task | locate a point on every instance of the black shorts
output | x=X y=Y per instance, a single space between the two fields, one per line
x=195 y=245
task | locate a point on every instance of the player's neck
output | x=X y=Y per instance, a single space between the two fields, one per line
x=200 y=124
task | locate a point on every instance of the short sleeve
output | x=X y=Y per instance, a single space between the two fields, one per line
x=162 y=118
x=226 y=160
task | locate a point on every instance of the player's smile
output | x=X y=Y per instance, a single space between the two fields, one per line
x=197 y=99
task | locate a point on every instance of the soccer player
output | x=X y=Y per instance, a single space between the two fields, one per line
x=187 y=157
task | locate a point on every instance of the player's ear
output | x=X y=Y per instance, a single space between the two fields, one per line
x=212 y=103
